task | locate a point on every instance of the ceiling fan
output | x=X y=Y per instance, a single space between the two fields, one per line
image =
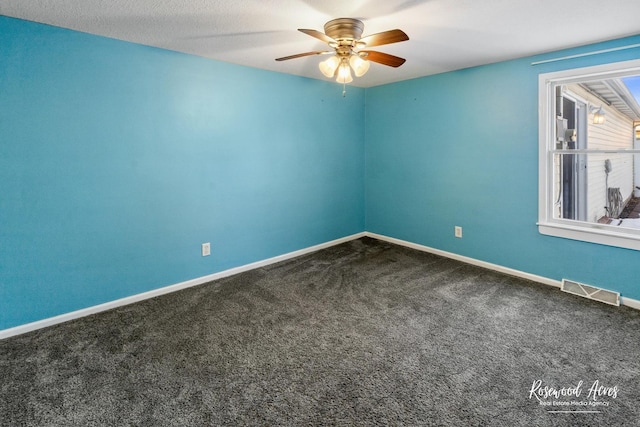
x=343 y=35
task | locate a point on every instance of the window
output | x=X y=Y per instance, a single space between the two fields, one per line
x=589 y=160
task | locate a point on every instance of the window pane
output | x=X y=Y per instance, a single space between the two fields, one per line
x=596 y=187
x=591 y=122
x=589 y=169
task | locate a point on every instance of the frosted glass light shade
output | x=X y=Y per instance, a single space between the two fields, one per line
x=328 y=67
x=360 y=66
x=344 y=73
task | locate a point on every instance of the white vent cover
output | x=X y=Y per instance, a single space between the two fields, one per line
x=591 y=292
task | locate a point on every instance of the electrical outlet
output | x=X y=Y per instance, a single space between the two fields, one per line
x=206 y=249
x=457 y=231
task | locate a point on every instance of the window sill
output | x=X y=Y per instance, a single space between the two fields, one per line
x=593 y=233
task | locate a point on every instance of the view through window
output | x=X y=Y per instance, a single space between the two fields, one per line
x=590 y=154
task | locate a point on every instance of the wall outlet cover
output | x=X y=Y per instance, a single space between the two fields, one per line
x=206 y=249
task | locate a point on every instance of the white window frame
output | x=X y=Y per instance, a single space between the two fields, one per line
x=565 y=228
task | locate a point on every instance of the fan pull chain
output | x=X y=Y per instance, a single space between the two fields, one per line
x=344 y=90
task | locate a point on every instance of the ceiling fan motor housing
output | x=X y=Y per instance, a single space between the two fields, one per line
x=344 y=29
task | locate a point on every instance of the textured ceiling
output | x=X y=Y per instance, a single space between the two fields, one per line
x=444 y=34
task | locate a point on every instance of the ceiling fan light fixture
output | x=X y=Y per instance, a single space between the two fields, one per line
x=328 y=67
x=360 y=65
x=344 y=73
x=344 y=37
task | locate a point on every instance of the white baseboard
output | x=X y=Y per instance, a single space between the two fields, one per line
x=629 y=302
x=22 y=329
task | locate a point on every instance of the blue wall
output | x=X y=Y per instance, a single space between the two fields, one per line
x=118 y=160
x=461 y=148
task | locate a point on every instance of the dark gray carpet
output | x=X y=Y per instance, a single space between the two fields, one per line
x=364 y=333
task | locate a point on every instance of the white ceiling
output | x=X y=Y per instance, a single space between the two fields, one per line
x=444 y=34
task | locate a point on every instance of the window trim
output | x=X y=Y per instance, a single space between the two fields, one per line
x=565 y=228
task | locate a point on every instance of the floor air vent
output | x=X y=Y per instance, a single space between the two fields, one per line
x=591 y=292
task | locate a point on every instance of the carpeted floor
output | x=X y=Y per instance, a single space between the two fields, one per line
x=364 y=333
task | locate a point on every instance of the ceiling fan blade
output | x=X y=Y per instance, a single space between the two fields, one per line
x=300 y=55
x=387 y=37
x=317 y=34
x=383 y=58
